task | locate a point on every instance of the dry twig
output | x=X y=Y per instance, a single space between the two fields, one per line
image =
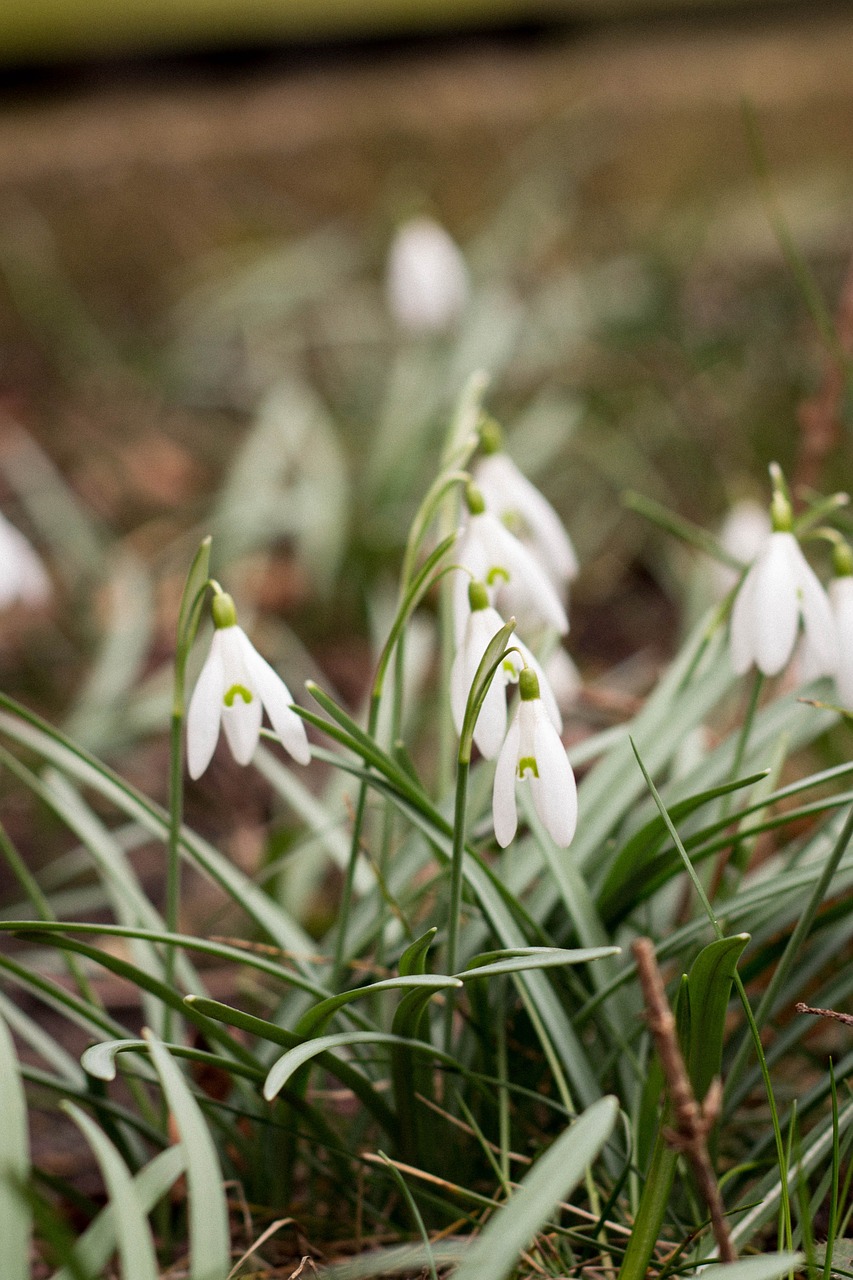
x=692 y=1120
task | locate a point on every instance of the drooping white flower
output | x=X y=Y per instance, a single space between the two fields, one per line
x=483 y=624
x=743 y=533
x=427 y=283
x=234 y=687
x=22 y=573
x=532 y=753
x=512 y=497
x=841 y=599
x=518 y=583
x=779 y=592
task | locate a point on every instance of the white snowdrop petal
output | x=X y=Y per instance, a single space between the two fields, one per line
x=528 y=582
x=775 y=604
x=205 y=711
x=511 y=492
x=545 y=691
x=554 y=791
x=841 y=598
x=504 y=812
x=277 y=700
x=491 y=722
x=818 y=621
x=241 y=722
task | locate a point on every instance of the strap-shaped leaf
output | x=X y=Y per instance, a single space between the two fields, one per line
x=132 y=1234
x=15 y=1217
x=209 y=1239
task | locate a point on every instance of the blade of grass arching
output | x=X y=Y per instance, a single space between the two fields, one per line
x=243 y=957
x=90 y=1017
x=207 y=1208
x=15 y=1216
x=145 y=981
x=551 y=1180
x=317 y=1018
x=30 y=730
x=284 y=1067
x=351 y=1077
x=98 y=1241
x=796 y=940
x=99 y=1059
x=132 y=1234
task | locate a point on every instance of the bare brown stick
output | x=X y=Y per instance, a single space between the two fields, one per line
x=692 y=1120
x=846 y=1018
x=820 y=415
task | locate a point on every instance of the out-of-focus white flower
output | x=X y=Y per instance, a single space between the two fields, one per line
x=483 y=624
x=779 y=591
x=510 y=495
x=563 y=677
x=427 y=283
x=743 y=533
x=518 y=583
x=22 y=573
x=841 y=599
x=234 y=687
x=533 y=753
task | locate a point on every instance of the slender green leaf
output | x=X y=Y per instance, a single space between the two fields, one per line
x=15 y=1216
x=209 y=1238
x=551 y=1180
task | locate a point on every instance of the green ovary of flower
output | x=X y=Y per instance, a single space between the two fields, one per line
x=236 y=691
x=527 y=764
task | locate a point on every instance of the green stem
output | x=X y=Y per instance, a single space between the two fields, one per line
x=355 y=849
x=463 y=769
x=173 y=853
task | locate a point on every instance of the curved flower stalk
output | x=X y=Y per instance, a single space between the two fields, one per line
x=483 y=624
x=512 y=497
x=781 y=591
x=234 y=687
x=533 y=753
x=23 y=576
x=427 y=283
x=517 y=582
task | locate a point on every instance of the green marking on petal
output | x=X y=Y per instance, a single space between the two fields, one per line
x=495 y=573
x=527 y=764
x=237 y=691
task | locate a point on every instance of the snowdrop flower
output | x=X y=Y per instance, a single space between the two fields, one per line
x=532 y=752
x=743 y=533
x=483 y=624
x=427 y=284
x=235 y=684
x=22 y=573
x=523 y=509
x=841 y=599
x=493 y=555
x=779 y=591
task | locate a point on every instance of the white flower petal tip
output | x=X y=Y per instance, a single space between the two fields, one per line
x=235 y=685
x=743 y=534
x=23 y=577
x=515 y=499
x=780 y=592
x=427 y=283
x=533 y=753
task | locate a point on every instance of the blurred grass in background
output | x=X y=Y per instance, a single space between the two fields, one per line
x=193 y=329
